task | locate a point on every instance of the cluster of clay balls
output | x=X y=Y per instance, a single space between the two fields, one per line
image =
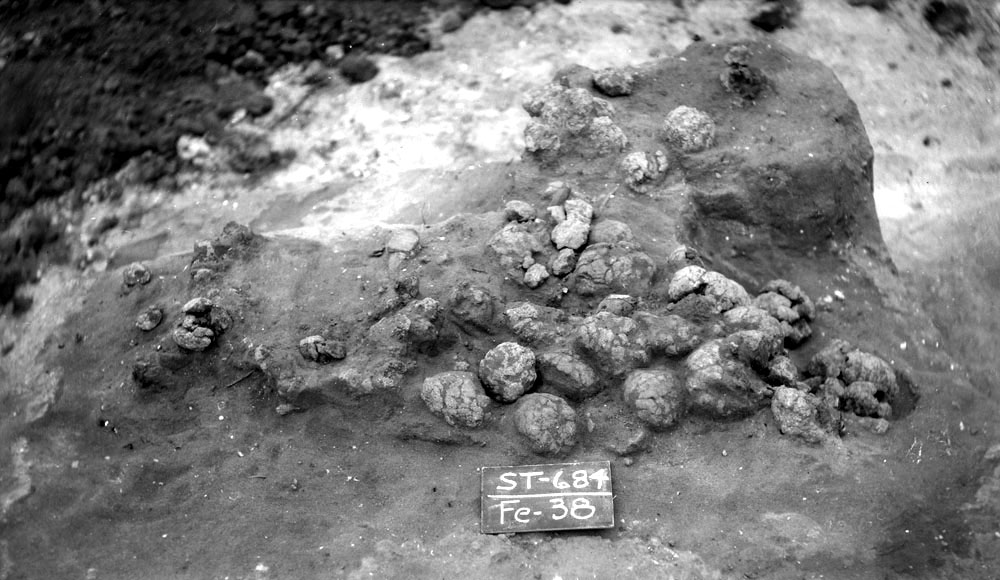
x=728 y=361
x=568 y=243
x=201 y=321
x=566 y=118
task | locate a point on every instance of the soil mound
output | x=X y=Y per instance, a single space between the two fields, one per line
x=343 y=395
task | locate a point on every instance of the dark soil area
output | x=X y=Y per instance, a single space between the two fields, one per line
x=87 y=88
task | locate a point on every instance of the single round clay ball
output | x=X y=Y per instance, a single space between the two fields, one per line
x=508 y=371
x=656 y=396
x=136 y=273
x=547 y=422
x=457 y=397
x=149 y=319
x=689 y=129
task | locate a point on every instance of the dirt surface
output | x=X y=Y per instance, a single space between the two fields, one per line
x=259 y=458
x=89 y=90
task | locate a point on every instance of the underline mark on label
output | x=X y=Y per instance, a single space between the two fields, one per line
x=565 y=494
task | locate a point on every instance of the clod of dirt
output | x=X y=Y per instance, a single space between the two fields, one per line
x=517 y=244
x=457 y=397
x=568 y=375
x=643 y=169
x=572 y=231
x=548 y=423
x=197 y=306
x=723 y=293
x=797 y=414
x=557 y=192
x=855 y=381
x=754 y=348
x=136 y=273
x=542 y=140
x=570 y=121
x=157 y=371
x=686 y=281
x=235 y=242
x=614 y=82
x=682 y=256
x=535 y=275
x=669 y=335
x=618 y=304
x=508 y=371
x=189 y=335
x=534 y=324
x=629 y=436
x=720 y=386
x=866 y=399
x=657 y=397
x=740 y=77
x=790 y=306
x=753 y=318
x=775 y=14
x=403 y=240
x=563 y=262
x=318 y=349
x=608 y=231
x=863 y=366
x=782 y=371
x=689 y=130
x=614 y=343
x=517 y=210
x=149 y=319
x=830 y=361
x=201 y=323
x=606 y=269
x=415 y=328
x=473 y=305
